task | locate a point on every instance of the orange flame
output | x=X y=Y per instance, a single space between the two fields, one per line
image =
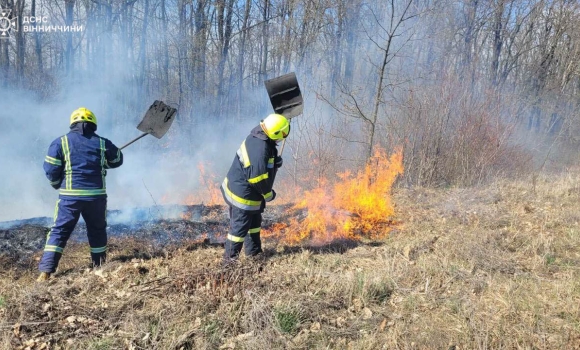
x=355 y=207
x=209 y=192
x=206 y=193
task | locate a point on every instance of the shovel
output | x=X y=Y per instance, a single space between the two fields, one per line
x=156 y=121
x=285 y=96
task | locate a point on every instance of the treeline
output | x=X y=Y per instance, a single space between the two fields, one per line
x=464 y=86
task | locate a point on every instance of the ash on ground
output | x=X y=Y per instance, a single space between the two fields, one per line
x=161 y=226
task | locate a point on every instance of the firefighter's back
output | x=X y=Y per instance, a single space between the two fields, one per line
x=87 y=160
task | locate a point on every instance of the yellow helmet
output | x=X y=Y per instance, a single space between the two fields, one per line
x=83 y=115
x=276 y=126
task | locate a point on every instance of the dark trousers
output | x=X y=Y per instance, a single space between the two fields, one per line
x=244 y=228
x=66 y=216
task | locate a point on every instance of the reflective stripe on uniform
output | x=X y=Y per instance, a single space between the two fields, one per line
x=68 y=190
x=235 y=238
x=118 y=157
x=55 y=182
x=243 y=155
x=94 y=192
x=99 y=250
x=53 y=221
x=254 y=230
x=52 y=248
x=103 y=162
x=67 y=168
x=270 y=163
x=257 y=179
x=268 y=195
x=53 y=161
x=244 y=204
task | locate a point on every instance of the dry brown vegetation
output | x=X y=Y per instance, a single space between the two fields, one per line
x=495 y=267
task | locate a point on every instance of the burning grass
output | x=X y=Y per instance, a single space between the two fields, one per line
x=479 y=268
x=355 y=207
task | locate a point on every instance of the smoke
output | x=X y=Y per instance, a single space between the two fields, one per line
x=117 y=69
x=155 y=171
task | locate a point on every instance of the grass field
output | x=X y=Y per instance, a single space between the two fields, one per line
x=480 y=268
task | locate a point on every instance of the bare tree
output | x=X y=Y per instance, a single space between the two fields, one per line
x=20 y=41
x=37 y=44
x=224 y=15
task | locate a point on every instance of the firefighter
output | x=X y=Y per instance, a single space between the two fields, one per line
x=76 y=165
x=248 y=185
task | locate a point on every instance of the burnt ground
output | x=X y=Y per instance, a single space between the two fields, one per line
x=161 y=227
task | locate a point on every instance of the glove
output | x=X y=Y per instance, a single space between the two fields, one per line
x=56 y=187
x=278 y=162
x=271 y=198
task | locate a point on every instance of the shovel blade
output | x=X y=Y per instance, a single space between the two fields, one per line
x=285 y=96
x=158 y=119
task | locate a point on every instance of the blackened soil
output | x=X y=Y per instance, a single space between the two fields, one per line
x=160 y=226
x=19 y=240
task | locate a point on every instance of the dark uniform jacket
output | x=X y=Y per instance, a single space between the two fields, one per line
x=76 y=163
x=249 y=182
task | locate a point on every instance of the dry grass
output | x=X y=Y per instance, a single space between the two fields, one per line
x=485 y=268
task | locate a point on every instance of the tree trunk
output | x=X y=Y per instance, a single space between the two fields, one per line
x=241 y=54
x=91 y=36
x=4 y=62
x=352 y=23
x=467 y=68
x=37 y=45
x=200 y=47
x=265 y=41
x=225 y=34
x=143 y=53
x=287 y=54
x=69 y=8
x=497 y=41
x=337 y=59
x=166 y=49
x=4 y=52
x=20 y=42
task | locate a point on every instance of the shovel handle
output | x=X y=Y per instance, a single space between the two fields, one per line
x=284 y=142
x=135 y=139
x=282 y=148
